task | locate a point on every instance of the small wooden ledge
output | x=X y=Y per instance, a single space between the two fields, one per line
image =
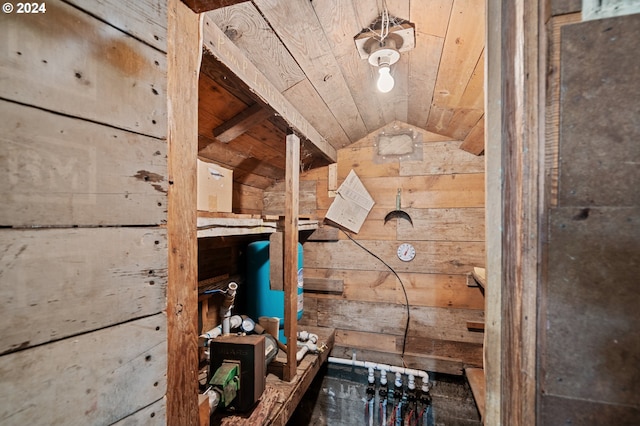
x=281 y=398
x=476 y=379
x=477 y=278
x=227 y=224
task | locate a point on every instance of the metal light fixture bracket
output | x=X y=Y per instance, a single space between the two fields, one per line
x=384 y=52
x=403 y=36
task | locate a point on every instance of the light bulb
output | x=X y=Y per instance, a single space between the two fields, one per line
x=385 y=80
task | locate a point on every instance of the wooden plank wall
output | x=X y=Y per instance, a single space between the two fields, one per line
x=589 y=297
x=83 y=249
x=444 y=194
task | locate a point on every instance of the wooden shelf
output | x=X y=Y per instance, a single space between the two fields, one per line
x=227 y=224
x=476 y=379
x=477 y=278
x=281 y=398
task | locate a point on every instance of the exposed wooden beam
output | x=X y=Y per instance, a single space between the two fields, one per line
x=230 y=82
x=199 y=6
x=183 y=64
x=292 y=184
x=241 y=123
x=229 y=55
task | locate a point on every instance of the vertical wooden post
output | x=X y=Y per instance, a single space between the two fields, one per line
x=292 y=184
x=515 y=112
x=493 y=214
x=183 y=66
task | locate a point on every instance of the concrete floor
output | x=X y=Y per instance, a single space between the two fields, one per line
x=337 y=397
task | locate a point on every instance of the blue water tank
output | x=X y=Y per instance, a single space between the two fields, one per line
x=261 y=301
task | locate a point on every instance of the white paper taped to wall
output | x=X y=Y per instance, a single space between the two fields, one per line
x=351 y=205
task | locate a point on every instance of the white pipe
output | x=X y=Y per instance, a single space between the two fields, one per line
x=234 y=321
x=382 y=367
x=214 y=400
x=225 y=312
x=305 y=335
x=213 y=333
x=305 y=347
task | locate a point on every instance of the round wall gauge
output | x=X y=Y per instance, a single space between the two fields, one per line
x=406 y=252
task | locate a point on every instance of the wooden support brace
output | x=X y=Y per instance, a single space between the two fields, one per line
x=241 y=123
x=292 y=184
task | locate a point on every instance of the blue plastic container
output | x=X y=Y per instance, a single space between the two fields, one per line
x=261 y=301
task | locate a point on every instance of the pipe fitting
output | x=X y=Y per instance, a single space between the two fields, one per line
x=382 y=367
x=398 y=382
x=412 y=382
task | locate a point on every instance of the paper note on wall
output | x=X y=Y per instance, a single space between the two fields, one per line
x=352 y=204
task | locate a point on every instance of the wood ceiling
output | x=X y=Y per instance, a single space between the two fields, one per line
x=307 y=50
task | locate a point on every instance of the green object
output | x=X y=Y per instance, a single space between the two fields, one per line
x=227 y=381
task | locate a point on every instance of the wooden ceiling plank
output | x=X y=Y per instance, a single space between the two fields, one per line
x=462 y=122
x=341 y=21
x=217 y=43
x=473 y=96
x=431 y=17
x=253 y=150
x=474 y=142
x=241 y=123
x=230 y=158
x=423 y=72
x=215 y=105
x=247 y=29
x=304 y=97
x=463 y=46
x=310 y=48
x=200 y=6
x=439 y=119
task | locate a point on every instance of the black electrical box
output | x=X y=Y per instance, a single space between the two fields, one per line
x=249 y=351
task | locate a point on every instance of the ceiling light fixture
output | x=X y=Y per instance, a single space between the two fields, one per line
x=382 y=43
x=382 y=55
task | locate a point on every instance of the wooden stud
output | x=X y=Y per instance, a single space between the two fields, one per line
x=184 y=55
x=493 y=214
x=291 y=253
